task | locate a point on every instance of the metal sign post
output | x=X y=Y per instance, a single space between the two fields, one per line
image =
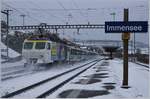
x=126 y=27
x=125 y=37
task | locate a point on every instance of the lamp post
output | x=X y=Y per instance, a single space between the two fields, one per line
x=113 y=14
x=23 y=19
x=7 y=14
x=69 y=18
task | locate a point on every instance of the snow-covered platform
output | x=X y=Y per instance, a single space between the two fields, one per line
x=104 y=80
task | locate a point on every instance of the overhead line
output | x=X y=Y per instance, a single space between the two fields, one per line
x=80 y=10
x=48 y=9
x=46 y=13
x=20 y=12
x=64 y=8
x=61 y=5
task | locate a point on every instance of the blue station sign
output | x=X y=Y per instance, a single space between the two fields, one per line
x=126 y=27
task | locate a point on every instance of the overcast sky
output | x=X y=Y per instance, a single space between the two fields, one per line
x=78 y=12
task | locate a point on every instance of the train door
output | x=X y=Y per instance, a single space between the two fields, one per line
x=48 y=52
x=53 y=51
x=62 y=52
x=60 y=47
x=65 y=52
x=68 y=54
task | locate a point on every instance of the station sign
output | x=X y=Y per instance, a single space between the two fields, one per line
x=126 y=27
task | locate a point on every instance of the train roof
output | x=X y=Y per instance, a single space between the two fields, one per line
x=51 y=37
x=37 y=40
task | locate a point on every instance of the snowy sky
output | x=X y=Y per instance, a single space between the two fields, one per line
x=78 y=12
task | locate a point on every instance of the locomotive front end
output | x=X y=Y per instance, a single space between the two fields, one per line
x=37 y=51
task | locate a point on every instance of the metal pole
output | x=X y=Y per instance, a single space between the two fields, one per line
x=134 y=48
x=125 y=63
x=23 y=19
x=7 y=13
x=125 y=51
x=7 y=33
x=132 y=52
x=113 y=14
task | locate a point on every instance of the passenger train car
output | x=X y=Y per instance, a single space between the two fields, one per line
x=47 y=51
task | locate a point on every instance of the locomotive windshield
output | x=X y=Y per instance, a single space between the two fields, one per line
x=40 y=45
x=28 y=45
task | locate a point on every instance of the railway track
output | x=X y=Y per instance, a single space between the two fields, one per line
x=142 y=65
x=11 y=72
x=51 y=82
x=146 y=66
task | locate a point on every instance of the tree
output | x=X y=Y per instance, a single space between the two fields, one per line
x=3 y=24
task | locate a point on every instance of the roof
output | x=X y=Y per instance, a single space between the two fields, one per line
x=52 y=37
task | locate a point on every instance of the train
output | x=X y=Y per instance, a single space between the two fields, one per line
x=43 y=50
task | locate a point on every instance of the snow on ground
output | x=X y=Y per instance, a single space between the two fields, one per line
x=113 y=69
x=20 y=82
x=9 y=69
x=12 y=53
x=146 y=65
x=71 y=85
x=138 y=81
x=13 y=64
x=49 y=85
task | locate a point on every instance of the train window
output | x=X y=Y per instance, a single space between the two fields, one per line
x=28 y=45
x=40 y=45
x=48 y=46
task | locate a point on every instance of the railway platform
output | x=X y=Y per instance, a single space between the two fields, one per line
x=104 y=80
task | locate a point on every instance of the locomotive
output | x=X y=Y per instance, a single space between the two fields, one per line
x=44 y=50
